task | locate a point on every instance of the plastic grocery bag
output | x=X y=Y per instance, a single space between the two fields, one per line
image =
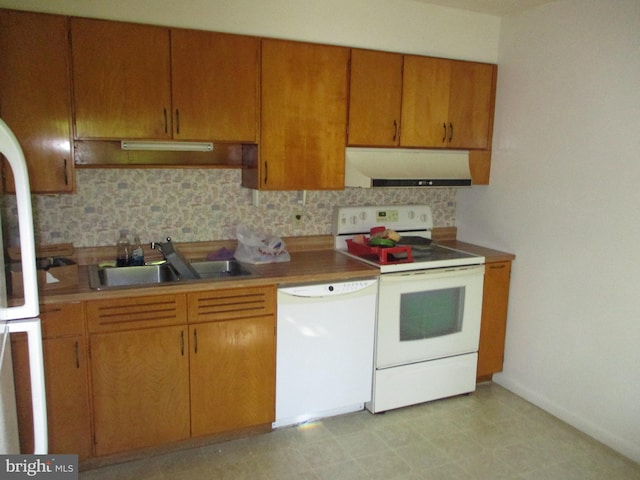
x=259 y=247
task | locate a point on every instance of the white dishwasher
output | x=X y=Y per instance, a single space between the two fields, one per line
x=324 y=349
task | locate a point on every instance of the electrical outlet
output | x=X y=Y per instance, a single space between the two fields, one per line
x=297 y=219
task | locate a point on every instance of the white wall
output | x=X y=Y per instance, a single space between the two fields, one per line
x=395 y=25
x=565 y=198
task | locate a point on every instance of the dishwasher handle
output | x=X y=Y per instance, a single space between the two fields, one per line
x=354 y=287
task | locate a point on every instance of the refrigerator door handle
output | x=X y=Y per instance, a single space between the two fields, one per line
x=24 y=318
x=10 y=148
x=33 y=329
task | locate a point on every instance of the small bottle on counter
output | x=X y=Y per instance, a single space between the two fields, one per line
x=123 y=256
x=137 y=253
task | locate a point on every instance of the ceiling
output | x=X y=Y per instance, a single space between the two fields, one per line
x=491 y=7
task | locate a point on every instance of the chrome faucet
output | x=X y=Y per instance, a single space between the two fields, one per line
x=173 y=257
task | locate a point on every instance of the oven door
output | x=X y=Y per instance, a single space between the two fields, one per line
x=428 y=314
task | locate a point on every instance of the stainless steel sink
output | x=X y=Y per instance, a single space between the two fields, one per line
x=101 y=278
x=107 y=277
x=219 y=269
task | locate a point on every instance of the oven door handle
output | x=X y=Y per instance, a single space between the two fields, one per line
x=433 y=273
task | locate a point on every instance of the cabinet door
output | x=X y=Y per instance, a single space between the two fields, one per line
x=66 y=382
x=494 y=318
x=471 y=102
x=304 y=116
x=375 y=98
x=67 y=396
x=232 y=374
x=447 y=103
x=121 y=80
x=214 y=85
x=140 y=381
x=425 y=102
x=35 y=97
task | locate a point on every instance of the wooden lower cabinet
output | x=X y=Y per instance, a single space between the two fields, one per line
x=233 y=359
x=66 y=382
x=169 y=367
x=232 y=374
x=140 y=384
x=494 y=319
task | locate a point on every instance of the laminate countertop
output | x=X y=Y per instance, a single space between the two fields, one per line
x=312 y=261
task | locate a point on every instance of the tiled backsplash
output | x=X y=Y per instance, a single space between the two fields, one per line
x=192 y=205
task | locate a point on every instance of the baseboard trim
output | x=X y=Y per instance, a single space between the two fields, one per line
x=624 y=446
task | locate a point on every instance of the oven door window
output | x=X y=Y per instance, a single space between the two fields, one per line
x=431 y=314
x=428 y=314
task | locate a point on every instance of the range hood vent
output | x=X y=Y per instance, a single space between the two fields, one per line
x=394 y=167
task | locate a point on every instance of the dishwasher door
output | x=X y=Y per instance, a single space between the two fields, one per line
x=325 y=349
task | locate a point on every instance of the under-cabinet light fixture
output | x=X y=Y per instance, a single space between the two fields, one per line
x=167 y=146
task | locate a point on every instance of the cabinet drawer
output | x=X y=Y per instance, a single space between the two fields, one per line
x=234 y=303
x=138 y=312
x=61 y=319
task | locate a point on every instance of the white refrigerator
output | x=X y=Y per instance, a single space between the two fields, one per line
x=22 y=317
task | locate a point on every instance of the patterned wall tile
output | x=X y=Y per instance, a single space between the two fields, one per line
x=192 y=205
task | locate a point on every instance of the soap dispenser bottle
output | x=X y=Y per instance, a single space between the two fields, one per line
x=137 y=253
x=123 y=258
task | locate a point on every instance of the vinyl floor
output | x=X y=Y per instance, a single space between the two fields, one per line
x=490 y=434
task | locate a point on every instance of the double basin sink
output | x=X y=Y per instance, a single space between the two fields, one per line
x=101 y=278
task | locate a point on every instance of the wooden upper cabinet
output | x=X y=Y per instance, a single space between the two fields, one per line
x=214 y=86
x=425 y=108
x=447 y=103
x=471 y=104
x=145 y=82
x=35 y=97
x=304 y=116
x=375 y=98
x=121 y=80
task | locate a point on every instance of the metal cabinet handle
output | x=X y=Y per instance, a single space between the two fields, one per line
x=444 y=132
x=177 y=121
x=499 y=266
x=195 y=340
x=266 y=172
x=166 y=124
x=66 y=175
x=450 y=132
x=395 y=130
x=77 y=351
x=182 y=343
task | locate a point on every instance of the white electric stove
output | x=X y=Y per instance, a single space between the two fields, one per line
x=429 y=306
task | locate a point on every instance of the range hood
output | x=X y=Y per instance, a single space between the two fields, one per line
x=397 y=167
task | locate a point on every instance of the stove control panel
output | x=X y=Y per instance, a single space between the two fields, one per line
x=401 y=218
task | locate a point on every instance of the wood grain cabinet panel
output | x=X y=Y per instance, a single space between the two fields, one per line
x=35 y=97
x=136 y=312
x=229 y=304
x=447 y=103
x=232 y=374
x=232 y=359
x=157 y=379
x=214 y=86
x=66 y=382
x=304 y=117
x=375 y=98
x=140 y=382
x=121 y=80
x=495 y=304
x=136 y=81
